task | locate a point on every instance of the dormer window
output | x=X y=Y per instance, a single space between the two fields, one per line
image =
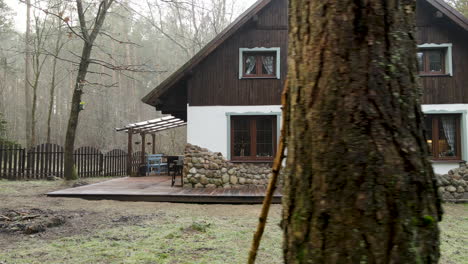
x=434 y=59
x=259 y=63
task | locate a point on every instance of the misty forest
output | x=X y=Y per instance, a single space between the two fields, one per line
x=140 y=43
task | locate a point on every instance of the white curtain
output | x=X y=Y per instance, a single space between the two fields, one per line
x=268 y=63
x=449 y=126
x=250 y=63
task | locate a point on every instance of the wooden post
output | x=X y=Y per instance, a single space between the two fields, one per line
x=143 y=145
x=129 y=151
x=154 y=142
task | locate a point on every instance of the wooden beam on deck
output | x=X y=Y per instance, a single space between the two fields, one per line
x=129 y=152
x=143 y=145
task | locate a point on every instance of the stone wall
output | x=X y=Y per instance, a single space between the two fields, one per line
x=206 y=169
x=453 y=187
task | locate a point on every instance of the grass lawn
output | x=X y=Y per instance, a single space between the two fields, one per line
x=142 y=232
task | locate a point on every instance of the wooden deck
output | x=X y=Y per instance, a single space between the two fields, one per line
x=158 y=189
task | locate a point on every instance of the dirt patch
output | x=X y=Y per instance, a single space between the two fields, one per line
x=200 y=227
x=29 y=221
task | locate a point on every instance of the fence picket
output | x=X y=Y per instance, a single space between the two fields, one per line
x=44 y=160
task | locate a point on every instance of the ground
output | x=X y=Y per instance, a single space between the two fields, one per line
x=35 y=228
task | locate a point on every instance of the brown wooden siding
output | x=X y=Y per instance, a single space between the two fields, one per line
x=430 y=29
x=216 y=80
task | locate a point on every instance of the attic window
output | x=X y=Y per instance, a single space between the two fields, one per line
x=259 y=63
x=435 y=59
x=431 y=61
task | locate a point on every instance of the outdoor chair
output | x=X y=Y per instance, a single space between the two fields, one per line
x=155 y=162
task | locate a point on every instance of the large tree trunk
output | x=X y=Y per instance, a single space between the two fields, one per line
x=358 y=186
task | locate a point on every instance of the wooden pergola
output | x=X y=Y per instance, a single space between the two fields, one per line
x=148 y=127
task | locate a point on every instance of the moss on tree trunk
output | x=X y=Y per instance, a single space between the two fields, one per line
x=358 y=188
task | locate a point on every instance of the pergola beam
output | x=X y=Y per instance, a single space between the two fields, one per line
x=145 y=123
x=142 y=128
x=165 y=128
x=160 y=126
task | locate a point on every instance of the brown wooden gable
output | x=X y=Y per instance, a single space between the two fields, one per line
x=455 y=16
x=215 y=81
x=434 y=28
x=211 y=76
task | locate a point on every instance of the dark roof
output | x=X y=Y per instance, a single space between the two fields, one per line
x=183 y=71
x=203 y=53
x=450 y=12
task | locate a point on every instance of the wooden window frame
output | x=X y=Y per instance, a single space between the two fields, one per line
x=253 y=138
x=447 y=62
x=259 y=64
x=276 y=51
x=426 y=62
x=435 y=138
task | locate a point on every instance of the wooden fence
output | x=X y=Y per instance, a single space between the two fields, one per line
x=137 y=161
x=44 y=160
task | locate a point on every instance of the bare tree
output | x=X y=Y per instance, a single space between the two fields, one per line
x=59 y=44
x=88 y=35
x=27 y=69
x=41 y=33
x=460 y=5
x=358 y=187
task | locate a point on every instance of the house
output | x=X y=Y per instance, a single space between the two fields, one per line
x=229 y=93
x=442 y=37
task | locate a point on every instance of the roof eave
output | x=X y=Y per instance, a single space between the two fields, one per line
x=450 y=12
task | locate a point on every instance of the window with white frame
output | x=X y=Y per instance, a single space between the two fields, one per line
x=259 y=63
x=435 y=59
x=443 y=136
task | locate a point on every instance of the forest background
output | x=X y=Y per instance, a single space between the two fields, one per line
x=141 y=43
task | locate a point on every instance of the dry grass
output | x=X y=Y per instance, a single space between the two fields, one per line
x=141 y=232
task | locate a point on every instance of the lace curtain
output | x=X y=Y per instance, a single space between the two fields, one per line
x=268 y=64
x=449 y=126
x=250 y=64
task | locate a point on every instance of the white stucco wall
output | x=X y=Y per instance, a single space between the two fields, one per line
x=207 y=126
x=442 y=168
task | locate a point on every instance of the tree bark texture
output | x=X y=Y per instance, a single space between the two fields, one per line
x=75 y=111
x=358 y=185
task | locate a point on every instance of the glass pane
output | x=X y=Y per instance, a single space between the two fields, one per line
x=250 y=67
x=241 y=130
x=268 y=64
x=428 y=124
x=447 y=136
x=435 y=60
x=264 y=137
x=420 y=56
